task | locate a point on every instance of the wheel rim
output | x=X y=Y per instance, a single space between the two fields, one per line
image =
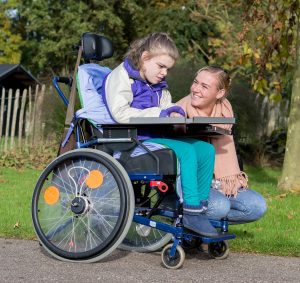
x=79 y=206
x=174 y=262
x=171 y=261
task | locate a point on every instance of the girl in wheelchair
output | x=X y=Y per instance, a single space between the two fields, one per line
x=137 y=88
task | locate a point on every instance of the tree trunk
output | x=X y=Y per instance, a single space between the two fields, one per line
x=290 y=179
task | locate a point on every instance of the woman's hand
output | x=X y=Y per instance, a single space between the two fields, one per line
x=175 y=114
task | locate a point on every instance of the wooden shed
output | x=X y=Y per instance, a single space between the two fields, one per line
x=15 y=76
x=16 y=87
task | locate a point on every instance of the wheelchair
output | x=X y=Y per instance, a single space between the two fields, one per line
x=113 y=191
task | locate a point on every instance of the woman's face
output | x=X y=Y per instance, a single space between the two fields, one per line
x=155 y=69
x=205 y=91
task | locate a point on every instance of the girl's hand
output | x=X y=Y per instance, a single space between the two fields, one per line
x=172 y=110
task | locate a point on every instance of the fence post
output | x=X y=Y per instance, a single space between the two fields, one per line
x=23 y=103
x=2 y=114
x=38 y=108
x=28 y=126
x=14 y=118
x=8 y=119
x=33 y=116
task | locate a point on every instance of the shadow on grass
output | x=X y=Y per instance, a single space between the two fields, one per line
x=263 y=175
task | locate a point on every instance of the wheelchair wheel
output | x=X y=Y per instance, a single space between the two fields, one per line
x=82 y=206
x=141 y=238
x=174 y=262
x=218 y=250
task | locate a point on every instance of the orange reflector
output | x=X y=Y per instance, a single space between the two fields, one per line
x=95 y=179
x=51 y=195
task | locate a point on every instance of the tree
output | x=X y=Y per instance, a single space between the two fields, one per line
x=181 y=20
x=51 y=28
x=272 y=55
x=290 y=179
x=10 y=40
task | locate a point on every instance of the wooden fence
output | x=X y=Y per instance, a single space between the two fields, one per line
x=21 y=117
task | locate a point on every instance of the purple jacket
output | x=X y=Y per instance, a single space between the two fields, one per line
x=144 y=94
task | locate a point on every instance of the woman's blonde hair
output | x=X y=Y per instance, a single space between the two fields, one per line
x=224 y=80
x=156 y=43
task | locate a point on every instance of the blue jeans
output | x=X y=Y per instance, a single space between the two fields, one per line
x=247 y=206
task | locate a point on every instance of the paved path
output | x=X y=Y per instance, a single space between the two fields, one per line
x=25 y=261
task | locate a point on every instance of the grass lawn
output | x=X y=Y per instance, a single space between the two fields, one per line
x=277 y=233
x=16 y=187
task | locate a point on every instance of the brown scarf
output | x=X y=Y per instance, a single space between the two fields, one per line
x=227 y=169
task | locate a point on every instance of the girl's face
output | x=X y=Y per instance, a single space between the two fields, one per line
x=155 y=69
x=205 y=91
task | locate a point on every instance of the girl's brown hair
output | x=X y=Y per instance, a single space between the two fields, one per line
x=156 y=43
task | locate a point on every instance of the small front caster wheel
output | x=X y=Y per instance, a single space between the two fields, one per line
x=172 y=262
x=218 y=250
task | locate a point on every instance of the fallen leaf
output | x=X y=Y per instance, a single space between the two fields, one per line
x=17 y=225
x=281 y=196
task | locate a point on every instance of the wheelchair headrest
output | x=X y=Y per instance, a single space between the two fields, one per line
x=96 y=47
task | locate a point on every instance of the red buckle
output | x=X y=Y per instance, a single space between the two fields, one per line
x=163 y=187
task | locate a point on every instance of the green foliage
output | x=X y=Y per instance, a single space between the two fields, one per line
x=10 y=40
x=269 y=45
x=32 y=157
x=51 y=28
x=204 y=33
x=185 y=24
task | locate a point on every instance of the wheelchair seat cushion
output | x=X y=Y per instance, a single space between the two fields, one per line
x=146 y=163
x=139 y=161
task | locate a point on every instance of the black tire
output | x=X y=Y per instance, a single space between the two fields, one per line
x=218 y=250
x=82 y=205
x=172 y=262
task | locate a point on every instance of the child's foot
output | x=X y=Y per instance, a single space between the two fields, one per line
x=199 y=224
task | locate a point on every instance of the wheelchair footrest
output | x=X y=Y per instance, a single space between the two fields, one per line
x=221 y=237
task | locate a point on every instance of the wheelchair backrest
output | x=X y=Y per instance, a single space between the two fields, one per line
x=90 y=78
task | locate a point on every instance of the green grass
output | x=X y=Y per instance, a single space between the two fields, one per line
x=16 y=187
x=277 y=233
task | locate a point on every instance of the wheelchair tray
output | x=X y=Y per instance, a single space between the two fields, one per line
x=170 y=127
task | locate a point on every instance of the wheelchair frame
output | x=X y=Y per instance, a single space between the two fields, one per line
x=119 y=136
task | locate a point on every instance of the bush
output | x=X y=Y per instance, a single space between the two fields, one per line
x=33 y=157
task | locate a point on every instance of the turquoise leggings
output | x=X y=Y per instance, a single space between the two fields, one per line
x=196 y=160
